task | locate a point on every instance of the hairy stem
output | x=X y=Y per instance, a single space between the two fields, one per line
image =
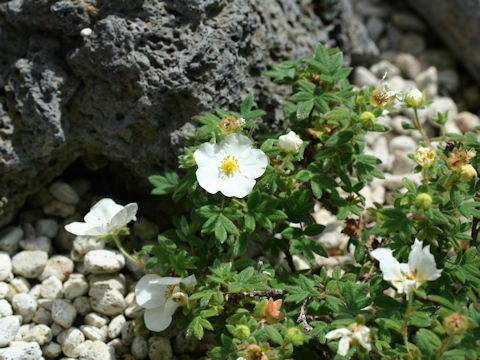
x=405 y=322
x=416 y=122
x=116 y=239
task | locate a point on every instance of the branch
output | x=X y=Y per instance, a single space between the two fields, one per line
x=302 y=318
x=475 y=229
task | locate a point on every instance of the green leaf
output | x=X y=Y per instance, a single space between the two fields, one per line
x=273 y=334
x=339 y=138
x=292 y=233
x=304 y=108
x=307 y=247
x=164 y=184
x=246 y=104
x=314 y=229
x=307 y=86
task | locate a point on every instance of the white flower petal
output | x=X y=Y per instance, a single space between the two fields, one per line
x=423 y=263
x=363 y=337
x=343 y=346
x=237 y=186
x=335 y=334
x=149 y=293
x=388 y=264
x=236 y=144
x=124 y=216
x=78 y=228
x=209 y=179
x=206 y=155
x=253 y=163
x=156 y=319
x=409 y=286
x=99 y=231
x=102 y=212
x=170 y=307
x=189 y=282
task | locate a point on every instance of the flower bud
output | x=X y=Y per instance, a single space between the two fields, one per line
x=415 y=98
x=180 y=297
x=367 y=119
x=295 y=336
x=456 y=324
x=290 y=143
x=231 y=124
x=468 y=172
x=425 y=156
x=423 y=201
x=242 y=332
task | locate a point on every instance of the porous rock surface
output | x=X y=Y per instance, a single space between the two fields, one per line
x=125 y=90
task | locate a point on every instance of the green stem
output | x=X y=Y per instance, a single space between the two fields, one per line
x=405 y=322
x=443 y=347
x=116 y=239
x=416 y=122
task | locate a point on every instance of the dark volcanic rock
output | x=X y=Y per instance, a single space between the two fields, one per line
x=457 y=22
x=125 y=92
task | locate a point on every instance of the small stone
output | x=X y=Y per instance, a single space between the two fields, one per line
x=104 y=261
x=29 y=264
x=22 y=331
x=133 y=310
x=439 y=105
x=63 y=313
x=139 y=348
x=4 y=289
x=41 y=243
x=51 y=288
x=375 y=27
x=128 y=332
x=115 y=326
x=40 y=198
x=45 y=303
x=116 y=281
x=399 y=83
x=96 y=320
x=58 y=208
x=64 y=240
x=407 y=21
x=299 y=261
x=59 y=266
x=402 y=163
x=332 y=236
x=81 y=186
x=51 y=350
x=466 y=121
x=82 y=305
x=408 y=65
x=95 y=350
x=75 y=286
x=5 y=308
x=5 y=267
x=412 y=43
x=35 y=291
x=428 y=81
x=40 y=334
x=92 y=333
x=117 y=345
x=47 y=227
x=160 y=348
x=25 y=305
x=20 y=284
x=9 y=239
x=9 y=327
x=384 y=67
x=363 y=77
x=403 y=143
x=395 y=182
x=449 y=79
x=73 y=338
x=21 y=350
x=56 y=329
x=84 y=244
x=63 y=192
x=42 y=316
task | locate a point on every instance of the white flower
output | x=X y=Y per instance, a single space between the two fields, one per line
x=354 y=334
x=104 y=218
x=408 y=277
x=414 y=97
x=290 y=143
x=229 y=167
x=159 y=296
x=425 y=156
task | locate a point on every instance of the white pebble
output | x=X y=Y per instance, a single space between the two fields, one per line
x=94 y=350
x=40 y=334
x=35 y=291
x=42 y=316
x=104 y=261
x=106 y=301
x=139 y=348
x=96 y=320
x=21 y=350
x=93 y=333
x=75 y=286
x=51 y=288
x=9 y=239
x=73 y=338
x=115 y=326
x=25 y=305
x=59 y=266
x=46 y=227
x=5 y=308
x=8 y=329
x=5 y=267
x=52 y=350
x=86 y=32
x=29 y=264
x=41 y=243
x=63 y=192
x=4 y=289
x=20 y=284
x=82 y=305
x=63 y=313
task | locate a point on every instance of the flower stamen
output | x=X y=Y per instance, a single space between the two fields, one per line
x=229 y=165
x=169 y=291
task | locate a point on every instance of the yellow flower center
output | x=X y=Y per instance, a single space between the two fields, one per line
x=169 y=291
x=229 y=165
